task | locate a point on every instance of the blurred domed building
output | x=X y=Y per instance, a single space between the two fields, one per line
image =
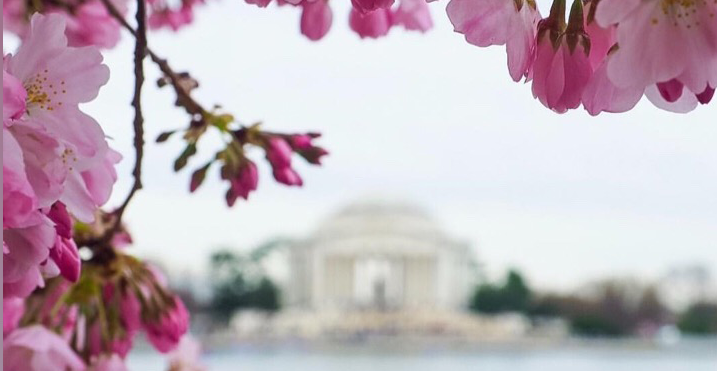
x=378 y=255
x=376 y=268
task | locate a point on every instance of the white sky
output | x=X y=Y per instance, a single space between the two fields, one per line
x=429 y=117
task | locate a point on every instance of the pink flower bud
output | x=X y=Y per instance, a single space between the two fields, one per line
x=366 y=6
x=12 y=311
x=287 y=176
x=301 y=141
x=130 y=311
x=243 y=183
x=166 y=331
x=316 y=19
x=373 y=24
x=66 y=257
x=63 y=222
x=278 y=152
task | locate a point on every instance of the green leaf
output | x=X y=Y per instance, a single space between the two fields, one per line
x=164 y=136
x=188 y=152
x=198 y=177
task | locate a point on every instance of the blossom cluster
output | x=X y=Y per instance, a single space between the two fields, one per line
x=56 y=161
x=368 y=18
x=60 y=312
x=89 y=22
x=95 y=321
x=238 y=169
x=607 y=56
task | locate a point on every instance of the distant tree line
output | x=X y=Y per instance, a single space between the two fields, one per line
x=239 y=282
x=612 y=308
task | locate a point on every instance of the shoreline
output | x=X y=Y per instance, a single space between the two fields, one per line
x=415 y=345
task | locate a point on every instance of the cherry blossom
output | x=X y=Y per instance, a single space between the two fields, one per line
x=186 y=356
x=166 y=331
x=278 y=152
x=88 y=22
x=54 y=152
x=12 y=311
x=366 y=6
x=601 y=94
x=36 y=348
x=162 y=15
x=372 y=24
x=413 y=15
x=243 y=182
x=499 y=22
x=561 y=69
x=661 y=40
x=111 y=362
x=316 y=19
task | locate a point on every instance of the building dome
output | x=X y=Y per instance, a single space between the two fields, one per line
x=379 y=254
x=377 y=217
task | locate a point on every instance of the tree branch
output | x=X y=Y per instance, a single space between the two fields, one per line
x=140 y=50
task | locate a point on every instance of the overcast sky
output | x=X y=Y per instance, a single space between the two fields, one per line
x=427 y=117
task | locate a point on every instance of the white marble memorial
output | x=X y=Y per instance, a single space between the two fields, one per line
x=379 y=255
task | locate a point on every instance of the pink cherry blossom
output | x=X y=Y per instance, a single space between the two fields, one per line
x=130 y=311
x=64 y=253
x=186 y=356
x=12 y=311
x=706 y=96
x=13 y=16
x=372 y=24
x=259 y=3
x=287 y=176
x=65 y=256
x=173 y=19
x=19 y=201
x=672 y=97
x=662 y=40
x=602 y=39
x=54 y=152
x=601 y=94
x=367 y=6
x=91 y=24
x=316 y=19
x=562 y=69
x=560 y=75
x=413 y=15
x=58 y=140
x=243 y=183
x=162 y=15
x=36 y=348
x=301 y=141
x=166 y=331
x=119 y=345
x=13 y=98
x=100 y=179
x=498 y=22
x=304 y=146
x=54 y=312
x=278 y=152
x=27 y=252
x=111 y=362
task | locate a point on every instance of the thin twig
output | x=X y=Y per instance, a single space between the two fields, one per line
x=140 y=50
